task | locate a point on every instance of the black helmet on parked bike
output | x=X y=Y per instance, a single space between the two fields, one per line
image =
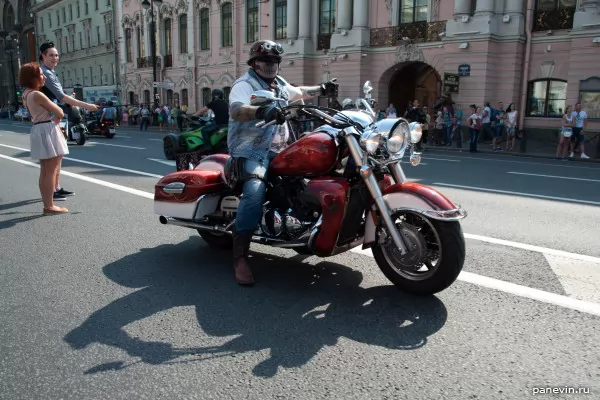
x=265 y=49
x=217 y=94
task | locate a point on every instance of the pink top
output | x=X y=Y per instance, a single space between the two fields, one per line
x=37 y=112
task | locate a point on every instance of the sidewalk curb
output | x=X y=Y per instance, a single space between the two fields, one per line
x=509 y=154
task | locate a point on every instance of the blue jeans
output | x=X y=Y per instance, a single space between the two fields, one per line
x=474 y=133
x=251 y=204
x=448 y=131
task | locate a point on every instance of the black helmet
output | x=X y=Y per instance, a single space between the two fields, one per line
x=265 y=49
x=110 y=103
x=217 y=94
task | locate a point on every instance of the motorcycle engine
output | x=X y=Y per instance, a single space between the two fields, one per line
x=274 y=224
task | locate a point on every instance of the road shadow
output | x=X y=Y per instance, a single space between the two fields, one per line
x=295 y=310
x=9 y=223
x=16 y=204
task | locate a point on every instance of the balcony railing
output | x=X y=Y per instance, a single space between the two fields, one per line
x=146 y=62
x=324 y=41
x=417 y=32
x=552 y=20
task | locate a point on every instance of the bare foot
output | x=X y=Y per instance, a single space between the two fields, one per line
x=55 y=210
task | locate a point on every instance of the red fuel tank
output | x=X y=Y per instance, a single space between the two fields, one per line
x=312 y=155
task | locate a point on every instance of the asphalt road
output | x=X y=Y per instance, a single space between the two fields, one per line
x=107 y=303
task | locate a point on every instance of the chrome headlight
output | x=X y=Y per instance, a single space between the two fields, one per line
x=416 y=131
x=370 y=140
x=397 y=138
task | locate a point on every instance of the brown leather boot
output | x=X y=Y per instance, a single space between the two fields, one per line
x=241 y=248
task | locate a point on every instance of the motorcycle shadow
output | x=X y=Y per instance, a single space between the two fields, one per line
x=294 y=311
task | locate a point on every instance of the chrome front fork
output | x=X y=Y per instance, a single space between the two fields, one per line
x=366 y=172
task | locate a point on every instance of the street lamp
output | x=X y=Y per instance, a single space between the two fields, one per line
x=149 y=4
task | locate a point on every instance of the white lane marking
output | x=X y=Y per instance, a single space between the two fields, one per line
x=549 y=164
x=538 y=196
x=156 y=140
x=170 y=163
x=119 y=145
x=132 y=171
x=507 y=287
x=581 y=280
x=554 y=176
x=126 y=137
x=537 y=249
x=519 y=290
x=126 y=189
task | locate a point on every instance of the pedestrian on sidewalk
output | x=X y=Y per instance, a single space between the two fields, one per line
x=475 y=124
x=47 y=143
x=511 y=126
x=499 y=120
x=565 y=134
x=486 y=119
x=577 y=139
x=457 y=121
x=145 y=113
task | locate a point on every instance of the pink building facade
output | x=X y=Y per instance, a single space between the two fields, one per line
x=541 y=55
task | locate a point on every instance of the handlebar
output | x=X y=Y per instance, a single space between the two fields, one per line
x=310 y=109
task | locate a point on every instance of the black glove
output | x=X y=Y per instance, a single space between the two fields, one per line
x=329 y=89
x=270 y=112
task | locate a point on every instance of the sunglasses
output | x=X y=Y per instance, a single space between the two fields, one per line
x=276 y=47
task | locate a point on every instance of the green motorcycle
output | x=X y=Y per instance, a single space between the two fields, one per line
x=194 y=141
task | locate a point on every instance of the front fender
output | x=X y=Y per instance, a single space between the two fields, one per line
x=411 y=196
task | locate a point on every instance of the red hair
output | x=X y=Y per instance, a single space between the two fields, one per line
x=29 y=76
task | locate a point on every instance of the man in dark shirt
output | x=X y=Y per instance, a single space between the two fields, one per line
x=221 y=110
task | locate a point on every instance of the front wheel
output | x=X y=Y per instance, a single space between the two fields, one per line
x=81 y=137
x=435 y=258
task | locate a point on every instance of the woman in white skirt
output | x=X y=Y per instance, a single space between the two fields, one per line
x=47 y=141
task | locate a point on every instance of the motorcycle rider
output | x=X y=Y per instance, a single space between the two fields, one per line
x=109 y=113
x=253 y=148
x=221 y=110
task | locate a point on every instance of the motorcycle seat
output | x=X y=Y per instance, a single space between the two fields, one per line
x=217 y=162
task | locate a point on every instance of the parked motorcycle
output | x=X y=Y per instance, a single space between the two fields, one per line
x=336 y=188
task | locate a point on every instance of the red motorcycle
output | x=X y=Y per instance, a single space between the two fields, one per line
x=331 y=191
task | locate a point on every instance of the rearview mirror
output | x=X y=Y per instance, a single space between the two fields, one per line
x=262 y=97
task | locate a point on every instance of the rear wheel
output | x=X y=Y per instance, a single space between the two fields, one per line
x=171 y=146
x=435 y=258
x=221 y=241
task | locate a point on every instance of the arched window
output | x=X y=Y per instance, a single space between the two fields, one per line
x=146 y=96
x=546 y=98
x=170 y=98
x=204 y=29
x=128 y=45
x=206 y=96
x=251 y=21
x=183 y=44
x=227 y=25
x=281 y=19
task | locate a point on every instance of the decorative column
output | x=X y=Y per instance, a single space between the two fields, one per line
x=361 y=14
x=147 y=39
x=304 y=18
x=484 y=8
x=190 y=28
x=344 y=14
x=462 y=7
x=292 y=19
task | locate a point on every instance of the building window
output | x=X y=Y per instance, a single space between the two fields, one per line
x=170 y=97
x=57 y=18
x=128 y=46
x=147 y=96
x=327 y=17
x=167 y=38
x=98 y=35
x=204 y=29
x=97 y=8
x=78 y=10
x=87 y=8
x=412 y=11
x=226 y=92
x=50 y=20
x=206 y=97
x=281 y=19
x=554 y=14
x=70 y=12
x=546 y=98
x=184 y=97
x=251 y=21
x=140 y=41
x=227 y=25
x=183 y=45
x=109 y=33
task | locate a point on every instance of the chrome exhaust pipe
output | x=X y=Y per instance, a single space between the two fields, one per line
x=193 y=225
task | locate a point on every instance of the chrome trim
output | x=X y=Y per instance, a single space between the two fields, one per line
x=199 y=200
x=174 y=187
x=354 y=147
x=314 y=231
x=439 y=215
x=397 y=172
x=366 y=173
x=346 y=247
